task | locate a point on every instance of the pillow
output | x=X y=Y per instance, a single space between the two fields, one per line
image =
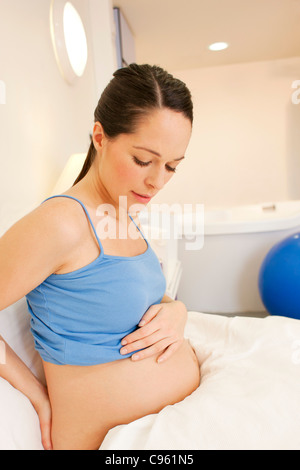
x=15 y=329
x=19 y=423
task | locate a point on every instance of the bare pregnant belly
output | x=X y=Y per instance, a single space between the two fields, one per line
x=88 y=401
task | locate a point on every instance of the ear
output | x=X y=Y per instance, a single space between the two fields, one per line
x=98 y=136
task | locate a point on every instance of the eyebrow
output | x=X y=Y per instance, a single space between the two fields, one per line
x=156 y=153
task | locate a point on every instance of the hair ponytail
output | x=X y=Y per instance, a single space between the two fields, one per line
x=87 y=164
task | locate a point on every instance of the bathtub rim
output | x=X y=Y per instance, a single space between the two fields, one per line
x=269 y=221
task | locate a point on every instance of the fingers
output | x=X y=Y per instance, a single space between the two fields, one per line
x=169 y=351
x=142 y=343
x=151 y=350
x=46 y=434
x=160 y=328
x=140 y=333
x=44 y=414
x=150 y=314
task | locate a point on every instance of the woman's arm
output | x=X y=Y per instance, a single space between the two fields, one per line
x=20 y=377
x=31 y=250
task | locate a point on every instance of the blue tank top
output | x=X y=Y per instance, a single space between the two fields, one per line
x=80 y=318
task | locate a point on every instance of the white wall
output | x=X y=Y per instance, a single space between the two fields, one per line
x=245 y=146
x=44 y=119
x=103 y=43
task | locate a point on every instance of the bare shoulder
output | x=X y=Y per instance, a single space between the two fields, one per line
x=63 y=217
x=37 y=246
x=56 y=222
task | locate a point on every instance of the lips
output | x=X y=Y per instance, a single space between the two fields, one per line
x=142 y=197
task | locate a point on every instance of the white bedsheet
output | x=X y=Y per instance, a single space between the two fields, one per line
x=249 y=396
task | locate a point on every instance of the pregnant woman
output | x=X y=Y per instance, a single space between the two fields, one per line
x=111 y=341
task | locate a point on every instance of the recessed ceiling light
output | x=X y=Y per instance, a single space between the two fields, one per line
x=218 y=46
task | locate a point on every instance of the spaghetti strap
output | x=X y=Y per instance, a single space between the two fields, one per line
x=139 y=229
x=85 y=210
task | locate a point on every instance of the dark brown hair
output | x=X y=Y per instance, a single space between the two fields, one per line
x=133 y=92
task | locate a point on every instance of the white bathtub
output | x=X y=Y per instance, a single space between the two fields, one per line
x=222 y=277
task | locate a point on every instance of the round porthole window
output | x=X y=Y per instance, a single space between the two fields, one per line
x=69 y=40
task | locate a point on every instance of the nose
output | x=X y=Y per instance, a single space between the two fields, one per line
x=156 y=179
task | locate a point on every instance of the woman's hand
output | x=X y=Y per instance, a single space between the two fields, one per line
x=161 y=330
x=42 y=406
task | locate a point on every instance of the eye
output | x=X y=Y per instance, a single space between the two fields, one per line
x=169 y=168
x=139 y=162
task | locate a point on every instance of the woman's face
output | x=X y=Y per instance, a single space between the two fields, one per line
x=138 y=165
